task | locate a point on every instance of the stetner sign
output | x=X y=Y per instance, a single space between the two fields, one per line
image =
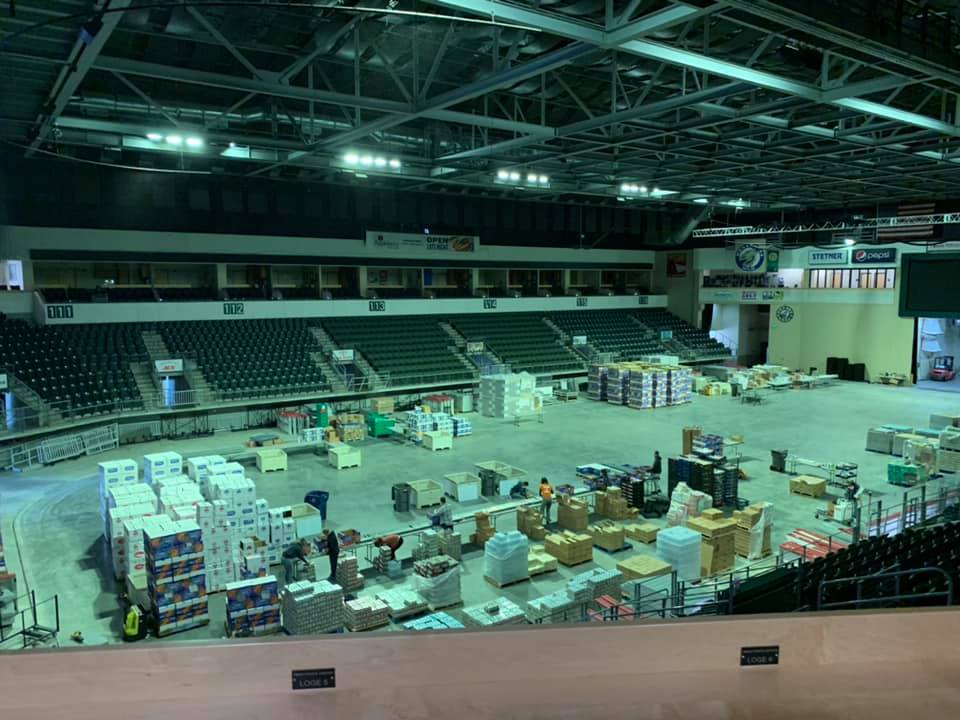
x=828 y=257
x=166 y=367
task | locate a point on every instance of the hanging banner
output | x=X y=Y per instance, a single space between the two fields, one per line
x=677 y=265
x=773 y=260
x=750 y=258
x=165 y=367
x=400 y=243
x=3 y=381
x=343 y=356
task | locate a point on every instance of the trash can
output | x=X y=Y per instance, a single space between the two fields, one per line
x=318 y=499
x=778 y=460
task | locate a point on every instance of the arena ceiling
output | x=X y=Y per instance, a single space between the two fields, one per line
x=752 y=104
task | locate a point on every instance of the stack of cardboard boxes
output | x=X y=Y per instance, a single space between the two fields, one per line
x=539 y=561
x=176 y=579
x=505 y=558
x=948 y=456
x=161 y=465
x=607 y=535
x=429 y=545
x=639 y=567
x=365 y=614
x=643 y=532
x=496 y=612
x=402 y=602
x=485 y=529
x=348 y=574
x=436 y=621
x=570 y=548
x=613 y=505
x=310 y=608
x=752 y=539
x=253 y=606
x=572 y=514
x=451 y=544
x=438 y=581
x=717 y=544
x=557 y=607
x=351 y=427
x=530 y=523
x=125 y=502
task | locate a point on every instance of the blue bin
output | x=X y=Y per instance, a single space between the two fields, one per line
x=318 y=499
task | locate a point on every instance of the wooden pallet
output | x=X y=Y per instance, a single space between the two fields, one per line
x=175 y=631
x=436 y=608
x=508 y=584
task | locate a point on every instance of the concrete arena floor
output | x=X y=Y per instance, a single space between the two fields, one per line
x=54 y=510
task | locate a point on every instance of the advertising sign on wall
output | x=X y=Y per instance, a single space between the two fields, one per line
x=828 y=257
x=474 y=347
x=579 y=339
x=165 y=367
x=343 y=356
x=878 y=256
x=750 y=258
x=411 y=242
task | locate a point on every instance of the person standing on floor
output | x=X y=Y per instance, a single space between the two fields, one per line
x=291 y=556
x=657 y=466
x=394 y=542
x=546 y=500
x=333 y=551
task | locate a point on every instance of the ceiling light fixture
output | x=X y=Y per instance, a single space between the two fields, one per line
x=503 y=174
x=366 y=160
x=531 y=177
x=194 y=142
x=380 y=162
x=394 y=163
x=701 y=201
x=543 y=179
x=643 y=188
x=351 y=158
x=174 y=140
x=154 y=137
x=849 y=241
x=515 y=176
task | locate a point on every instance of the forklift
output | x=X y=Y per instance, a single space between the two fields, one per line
x=943 y=369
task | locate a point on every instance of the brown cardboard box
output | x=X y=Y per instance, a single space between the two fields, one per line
x=644 y=532
x=530 y=523
x=748 y=517
x=382 y=405
x=815 y=487
x=570 y=548
x=742 y=542
x=643 y=566
x=710 y=529
x=712 y=514
x=485 y=529
x=539 y=561
x=611 y=504
x=573 y=514
x=607 y=535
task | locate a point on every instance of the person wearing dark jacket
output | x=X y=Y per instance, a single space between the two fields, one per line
x=297 y=552
x=333 y=551
x=657 y=466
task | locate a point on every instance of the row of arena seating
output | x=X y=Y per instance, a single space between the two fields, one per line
x=404 y=347
x=522 y=340
x=250 y=358
x=799 y=588
x=76 y=366
x=697 y=341
x=610 y=332
x=88 y=365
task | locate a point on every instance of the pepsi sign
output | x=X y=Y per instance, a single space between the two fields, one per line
x=878 y=256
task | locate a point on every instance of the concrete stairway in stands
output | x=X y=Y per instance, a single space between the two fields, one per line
x=327 y=346
x=45 y=414
x=460 y=344
x=326 y=367
x=147 y=384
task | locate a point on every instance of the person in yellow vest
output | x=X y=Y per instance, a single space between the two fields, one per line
x=546 y=500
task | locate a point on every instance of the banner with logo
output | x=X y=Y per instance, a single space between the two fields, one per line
x=343 y=356
x=876 y=256
x=165 y=367
x=400 y=243
x=773 y=260
x=750 y=258
x=828 y=257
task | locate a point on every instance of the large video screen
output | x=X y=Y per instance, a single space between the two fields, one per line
x=930 y=285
